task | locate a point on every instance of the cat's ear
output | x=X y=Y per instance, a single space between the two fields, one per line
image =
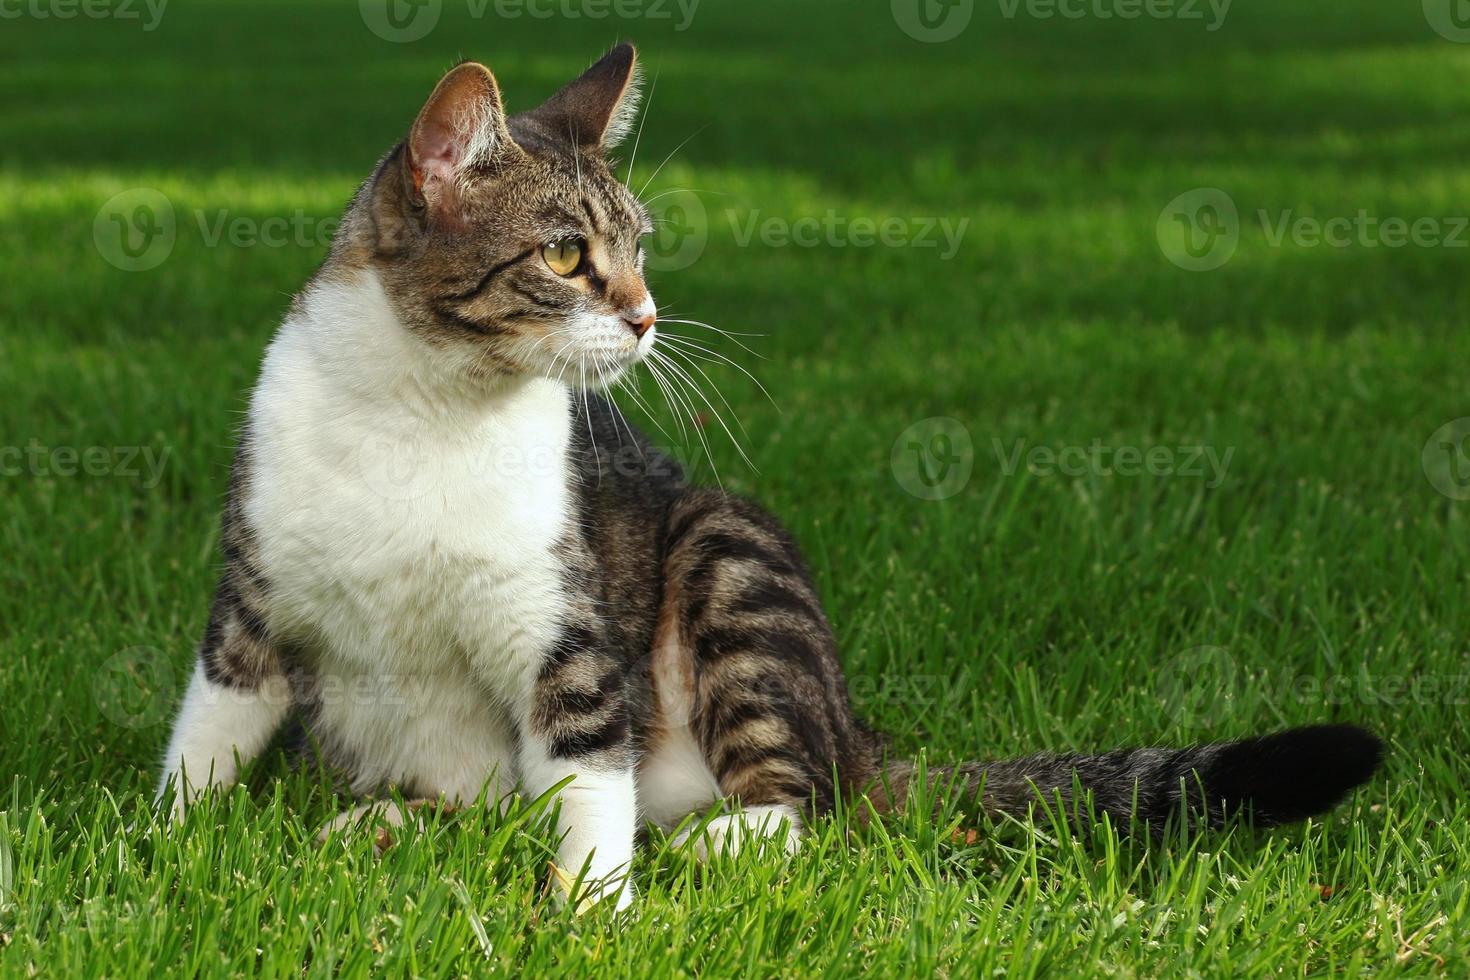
x=461 y=126
x=599 y=108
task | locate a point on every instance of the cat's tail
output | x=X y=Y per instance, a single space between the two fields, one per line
x=1275 y=779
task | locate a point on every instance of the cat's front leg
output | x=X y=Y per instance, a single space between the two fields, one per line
x=576 y=724
x=236 y=699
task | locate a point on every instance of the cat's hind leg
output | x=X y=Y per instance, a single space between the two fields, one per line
x=744 y=630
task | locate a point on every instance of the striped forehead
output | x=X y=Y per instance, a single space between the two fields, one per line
x=596 y=208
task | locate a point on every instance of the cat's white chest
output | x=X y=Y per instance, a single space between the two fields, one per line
x=415 y=557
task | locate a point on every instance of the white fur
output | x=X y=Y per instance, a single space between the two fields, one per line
x=216 y=726
x=728 y=833
x=406 y=518
x=625 y=114
x=673 y=778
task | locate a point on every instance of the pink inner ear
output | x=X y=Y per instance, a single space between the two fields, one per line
x=437 y=154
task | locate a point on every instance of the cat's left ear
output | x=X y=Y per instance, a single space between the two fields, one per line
x=598 y=109
x=461 y=127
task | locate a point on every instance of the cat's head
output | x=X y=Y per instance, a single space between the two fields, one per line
x=506 y=242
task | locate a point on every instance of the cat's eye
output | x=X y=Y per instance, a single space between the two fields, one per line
x=564 y=257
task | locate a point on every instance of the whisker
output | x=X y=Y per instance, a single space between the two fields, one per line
x=689 y=358
x=681 y=373
x=688 y=406
x=678 y=420
x=668 y=158
x=716 y=357
x=642 y=118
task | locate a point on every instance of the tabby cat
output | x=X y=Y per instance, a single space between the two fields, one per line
x=429 y=565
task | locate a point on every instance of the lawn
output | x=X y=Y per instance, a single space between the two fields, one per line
x=1202 y=474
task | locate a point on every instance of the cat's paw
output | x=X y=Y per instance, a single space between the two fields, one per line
x=750 y=827
x=616 y=889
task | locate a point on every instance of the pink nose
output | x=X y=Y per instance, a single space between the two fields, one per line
x=640 y=326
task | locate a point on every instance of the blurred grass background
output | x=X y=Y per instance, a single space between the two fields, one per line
x=1029 y=610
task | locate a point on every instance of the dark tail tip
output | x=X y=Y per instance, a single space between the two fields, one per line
x=1294 y=774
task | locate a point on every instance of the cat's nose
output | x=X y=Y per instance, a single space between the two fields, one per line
x=639 y=324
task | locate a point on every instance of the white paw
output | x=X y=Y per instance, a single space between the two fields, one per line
x=616 y=888
x=752 y=826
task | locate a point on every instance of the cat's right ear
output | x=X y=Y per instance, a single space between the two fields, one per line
x=461 y=127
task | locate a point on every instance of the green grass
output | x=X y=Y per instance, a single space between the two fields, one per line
x=1323 y=578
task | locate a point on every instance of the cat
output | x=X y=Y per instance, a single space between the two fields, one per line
x=430 y=566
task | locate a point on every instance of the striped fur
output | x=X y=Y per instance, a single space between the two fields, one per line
x=499 y=607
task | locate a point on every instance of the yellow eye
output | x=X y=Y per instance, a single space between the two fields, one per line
x=563 y=258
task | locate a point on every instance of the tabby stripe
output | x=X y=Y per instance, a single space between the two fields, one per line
x=612 y=733
x=537 y=300
x=465 y=323
x=495 y=270
x=687 y=520
x=781 y=644
x=590 y=213
x=253 y=623
x=743 y=757
x=771 y=594
x=575 y=639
